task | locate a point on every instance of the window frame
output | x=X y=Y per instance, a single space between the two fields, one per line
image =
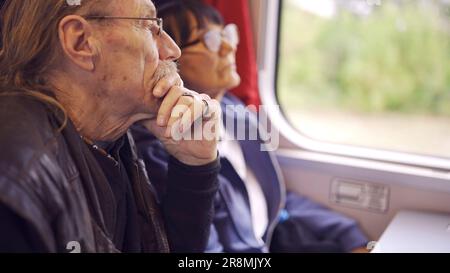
x=268 y=49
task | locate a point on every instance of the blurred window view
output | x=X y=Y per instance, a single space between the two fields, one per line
x=373 y=73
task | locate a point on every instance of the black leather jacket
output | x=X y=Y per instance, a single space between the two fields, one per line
x=51 y=180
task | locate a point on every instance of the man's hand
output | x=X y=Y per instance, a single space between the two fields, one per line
x=187 y=124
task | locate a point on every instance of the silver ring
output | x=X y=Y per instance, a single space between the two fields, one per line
x=207 y=108
x=188 y=94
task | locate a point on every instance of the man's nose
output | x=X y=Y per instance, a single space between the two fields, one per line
x=168 y=49
x=226 y=48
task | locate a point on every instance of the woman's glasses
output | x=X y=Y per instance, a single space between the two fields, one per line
x=213 y=38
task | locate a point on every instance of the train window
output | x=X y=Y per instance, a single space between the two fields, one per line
x=370 y=73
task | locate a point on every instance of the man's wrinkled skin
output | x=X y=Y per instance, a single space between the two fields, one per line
x=125 y=75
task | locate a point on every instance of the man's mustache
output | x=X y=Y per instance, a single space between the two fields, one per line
x=165 y=68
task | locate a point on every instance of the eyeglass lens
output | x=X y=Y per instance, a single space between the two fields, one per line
x=213 y=38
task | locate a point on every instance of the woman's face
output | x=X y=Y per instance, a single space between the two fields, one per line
x=206 y=71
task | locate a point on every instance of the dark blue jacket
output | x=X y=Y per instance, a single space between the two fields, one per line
x=232 y=230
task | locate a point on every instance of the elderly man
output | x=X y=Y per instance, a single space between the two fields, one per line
x=74 y=76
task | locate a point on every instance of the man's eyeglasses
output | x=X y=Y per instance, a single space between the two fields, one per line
x=213 y=38
x=155 y=28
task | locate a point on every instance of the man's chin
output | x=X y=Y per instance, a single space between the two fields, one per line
x=145 y=113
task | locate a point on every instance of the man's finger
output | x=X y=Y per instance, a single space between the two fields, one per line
x=190 y=116
x=164 y=85
x=178 y=111
x=168 y=103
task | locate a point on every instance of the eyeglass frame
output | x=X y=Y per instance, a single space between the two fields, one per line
x=202 y=39
x=159 y=21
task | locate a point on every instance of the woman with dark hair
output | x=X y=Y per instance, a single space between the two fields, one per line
x=208 y=45
x=252 y=195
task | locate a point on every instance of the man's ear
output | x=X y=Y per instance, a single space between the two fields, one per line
x=75 y=37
